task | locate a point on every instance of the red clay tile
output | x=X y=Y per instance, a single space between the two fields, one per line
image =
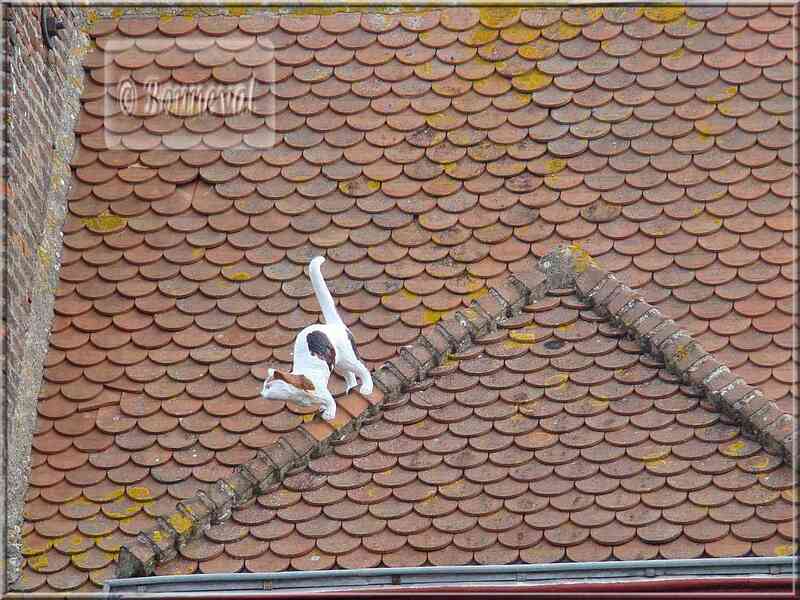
x=213 y=326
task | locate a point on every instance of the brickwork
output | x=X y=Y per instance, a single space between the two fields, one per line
x=40 y=106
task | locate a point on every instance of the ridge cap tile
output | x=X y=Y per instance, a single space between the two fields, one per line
x=678 y=348
x=439 y=192
x=294 y=449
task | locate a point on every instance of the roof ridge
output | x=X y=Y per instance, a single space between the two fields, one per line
x=759 y=418
x=312 y=438
x=566 y=266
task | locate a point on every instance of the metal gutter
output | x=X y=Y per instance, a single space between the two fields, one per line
x=421 y=578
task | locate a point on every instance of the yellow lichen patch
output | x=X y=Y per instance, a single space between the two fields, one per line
x=655 y=462
x=157 y=536
x=80 y=559
x=558 y=379
x=785 y=549
x=561 y=31
x=492 y=85
x=320 y=9
x=622 y=372
x=39 y=562
x=344 y=186
x=693 y=25
x=108 y=542
x=761 y=462
x=554 y=165
x=703 y=135
x=431 y=317
x=656 y=455
x=117 y=12
x=498 y=17
x=539 y=49
x=519 y=33
x=526 y=335
x=724 y=94
x=599 y=404
x=450 y=168
x=522 y=98
x=583 y=260
x=28 y=550
x=180 y=523
x=75 y=542
x=308 y=418
x=424 y=70
x=44 y=256
x=733 y=449
x=470 y=314
x=407 y=294
x=676 y=54
x=448 y=360
x=593 y=13
x=664 y=14
x=104 y=223
x=442 y=120
x=166 y=18
x=566 y=327
x=374 y=185
x=237 y=10
x=455 y=486
x=460 y=138
x=478 y=294
x=140 y=493
x=315 y=10
x=620 y=12
x=127 y=512
x=480 y=36
x=681 y=352
x=531 y=81
x=240 y=276
x=113 y=494
x=515 y=345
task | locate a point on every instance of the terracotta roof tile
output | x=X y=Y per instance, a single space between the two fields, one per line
x=663 y=507
x=428 y=157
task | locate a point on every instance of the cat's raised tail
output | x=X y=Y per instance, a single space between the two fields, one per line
x=322 y=293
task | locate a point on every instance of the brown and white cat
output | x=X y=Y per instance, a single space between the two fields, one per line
x=319 y=350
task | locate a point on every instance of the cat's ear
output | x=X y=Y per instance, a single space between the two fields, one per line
x=299 y=381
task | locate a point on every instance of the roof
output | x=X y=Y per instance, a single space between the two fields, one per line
x=547 y=436
x=428 y=156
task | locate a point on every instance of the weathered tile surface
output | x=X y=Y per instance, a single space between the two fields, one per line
x=428 y=156
x=551 y=439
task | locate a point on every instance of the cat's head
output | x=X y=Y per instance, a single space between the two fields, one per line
x=299 y=389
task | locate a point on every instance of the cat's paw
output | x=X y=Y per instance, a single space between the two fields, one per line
x=267 y=382
x=350 y=382
x=366 y=387
x=328 y=411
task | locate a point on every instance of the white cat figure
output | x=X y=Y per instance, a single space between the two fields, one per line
x=318 y=351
